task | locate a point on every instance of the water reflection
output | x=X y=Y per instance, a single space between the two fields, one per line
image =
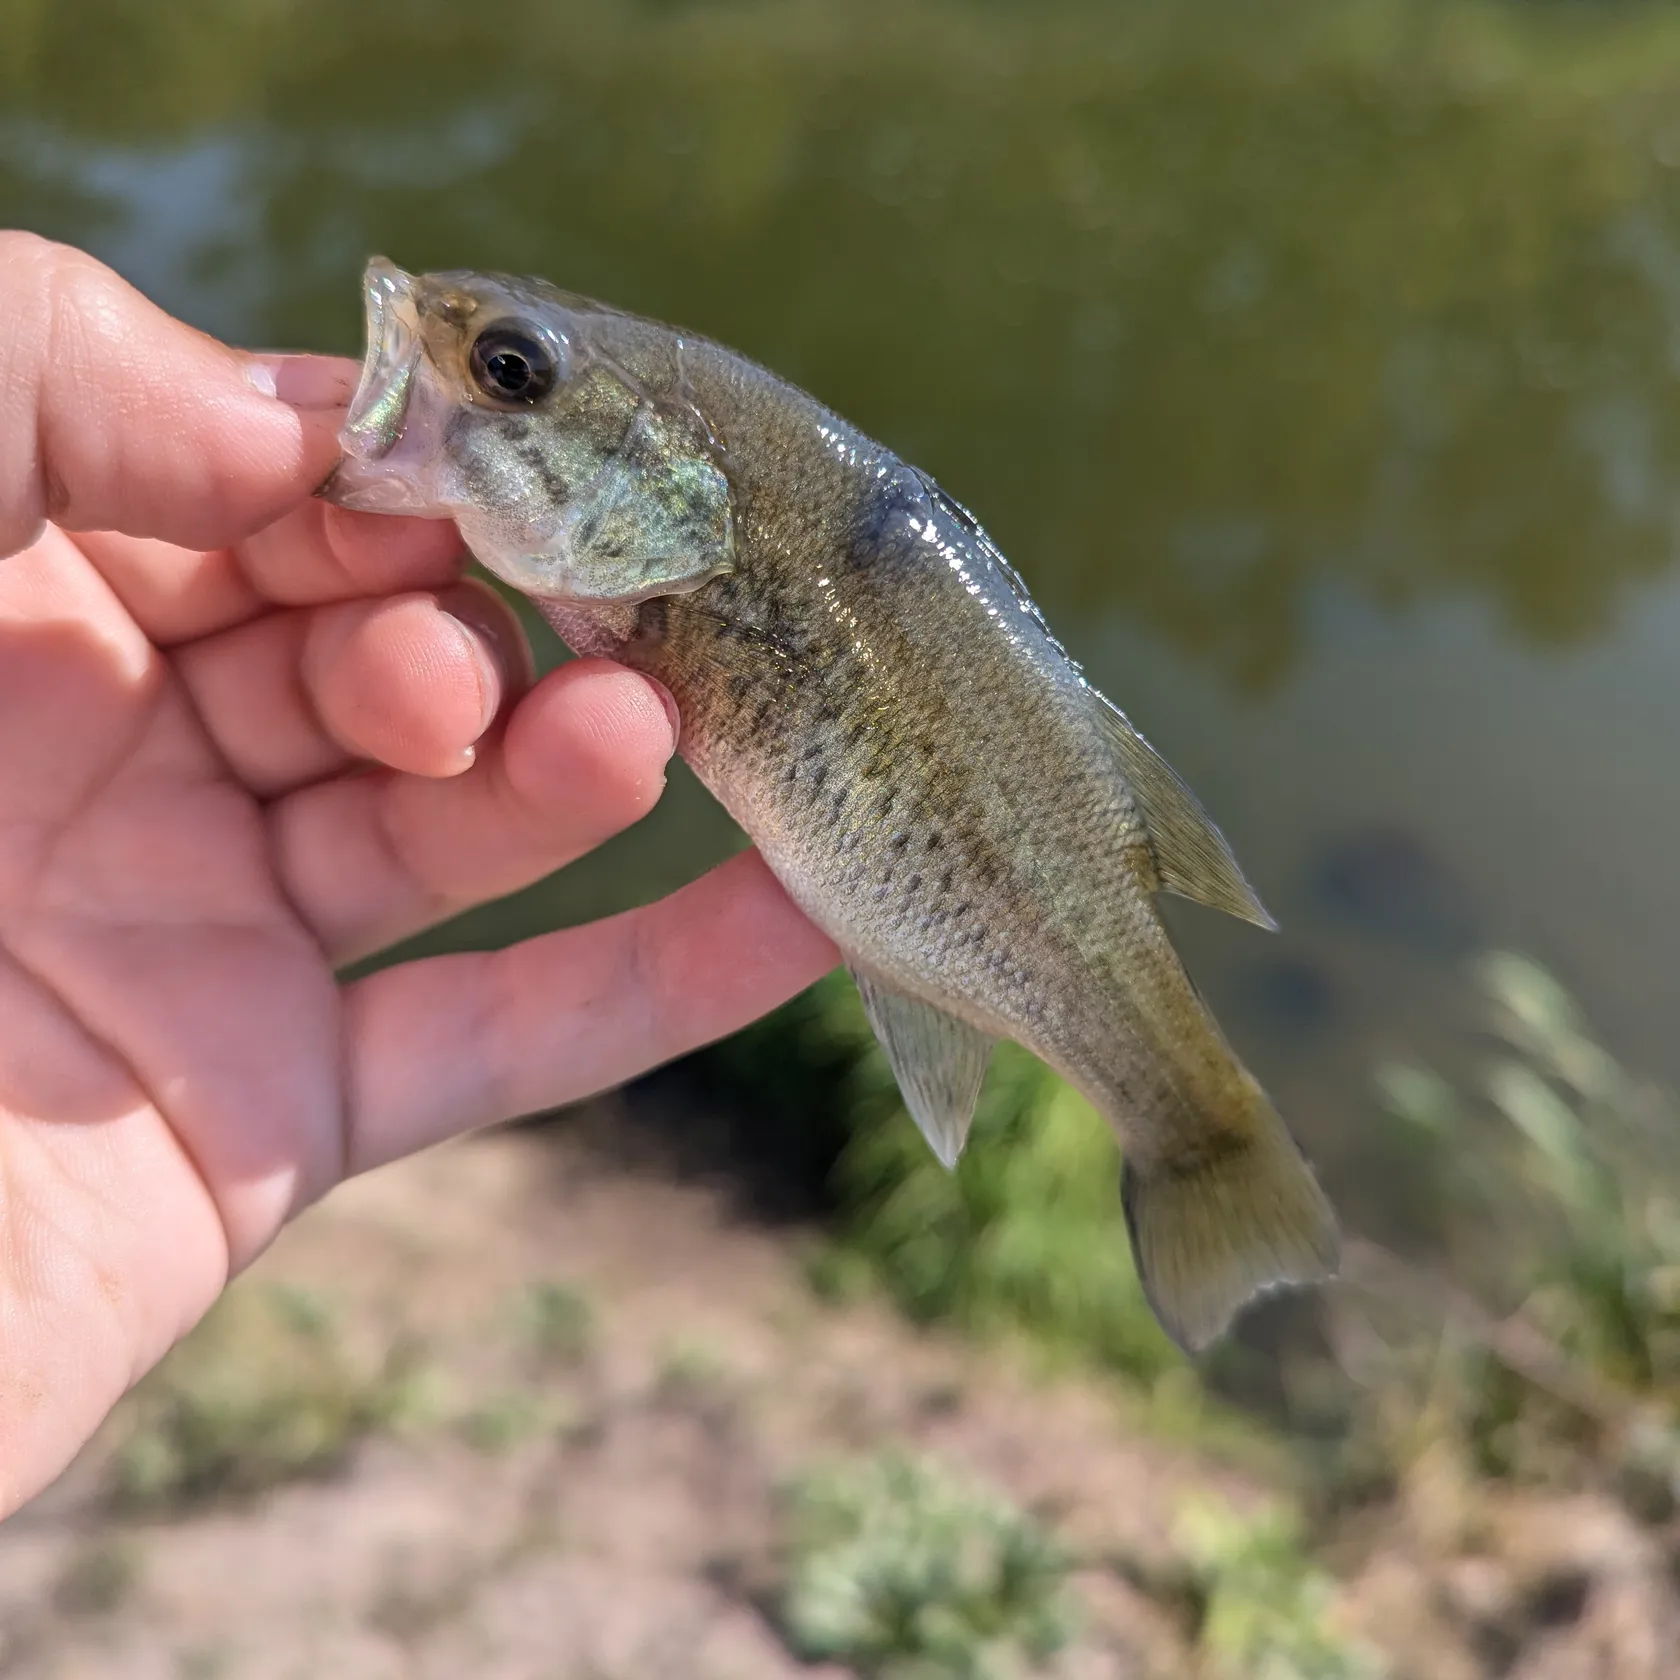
x=1276 y=349
x=1210 y=318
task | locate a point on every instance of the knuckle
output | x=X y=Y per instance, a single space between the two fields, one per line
x=54 y=295
x=28 y=259
x=51 y=285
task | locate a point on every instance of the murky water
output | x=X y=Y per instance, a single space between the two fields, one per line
x=1318 y=369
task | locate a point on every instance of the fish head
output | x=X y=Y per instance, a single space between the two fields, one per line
x=496 y=402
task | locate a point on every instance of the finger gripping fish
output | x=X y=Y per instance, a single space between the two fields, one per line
x=867 y=687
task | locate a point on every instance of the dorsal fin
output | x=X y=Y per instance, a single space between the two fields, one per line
x=1192 y=858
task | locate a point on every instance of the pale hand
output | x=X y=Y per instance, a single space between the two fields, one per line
x=244 y=737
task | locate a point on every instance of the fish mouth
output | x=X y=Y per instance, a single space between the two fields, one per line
x=380 y=404
x=372 y=476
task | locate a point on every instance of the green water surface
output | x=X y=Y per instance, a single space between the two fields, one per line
x=1315 y=360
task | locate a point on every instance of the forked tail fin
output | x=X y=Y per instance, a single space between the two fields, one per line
x=1215 y=1226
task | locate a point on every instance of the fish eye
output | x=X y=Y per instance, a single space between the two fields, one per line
x=513 y=364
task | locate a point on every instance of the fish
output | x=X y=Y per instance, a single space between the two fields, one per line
x=867 y=687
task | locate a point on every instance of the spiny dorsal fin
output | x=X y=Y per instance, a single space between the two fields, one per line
x=938 y=1061
x=1192 y=858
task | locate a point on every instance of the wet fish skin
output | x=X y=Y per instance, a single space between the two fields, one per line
x=867 y=688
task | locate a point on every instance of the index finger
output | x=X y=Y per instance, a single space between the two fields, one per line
x=313 y=554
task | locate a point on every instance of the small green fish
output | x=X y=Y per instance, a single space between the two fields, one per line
x=867 y=687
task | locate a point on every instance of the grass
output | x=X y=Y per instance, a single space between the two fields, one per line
x=1541 y=1343
x=502 y=1422
x=1552 y=1333
x=99 y=1579
x=1025 y=1237
x=903 y=1571
x=264 y=1392
x=1564 y=1337
x=1264 y=1605
x=1551 y=1352
x=555 y=1323
x=1026 y=1234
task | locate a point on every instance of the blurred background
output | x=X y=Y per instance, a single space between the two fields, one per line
x=1316 y=364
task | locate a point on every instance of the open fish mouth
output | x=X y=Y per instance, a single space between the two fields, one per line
x=380 y=404
x=377 y=474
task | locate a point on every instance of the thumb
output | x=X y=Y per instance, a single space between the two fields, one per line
x=115 y=416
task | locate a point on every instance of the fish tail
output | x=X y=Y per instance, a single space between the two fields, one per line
x=1233 y=1213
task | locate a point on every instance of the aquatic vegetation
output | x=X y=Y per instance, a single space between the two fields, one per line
x=900 y=1569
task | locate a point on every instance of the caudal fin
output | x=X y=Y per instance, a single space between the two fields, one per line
x=1214 y=1228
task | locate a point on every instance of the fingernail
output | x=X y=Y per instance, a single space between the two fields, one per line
x=312 y=382
x=669 y=701
x=489 y=672
x=505 y=666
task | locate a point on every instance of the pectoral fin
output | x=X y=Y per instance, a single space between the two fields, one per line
x=938 y=1061
x=1192 y=858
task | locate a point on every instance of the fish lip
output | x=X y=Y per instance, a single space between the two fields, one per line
x=378 y=408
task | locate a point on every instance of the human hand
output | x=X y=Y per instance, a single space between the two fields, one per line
x=242 y=740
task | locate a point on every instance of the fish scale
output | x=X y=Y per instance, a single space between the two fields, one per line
x=868 y=688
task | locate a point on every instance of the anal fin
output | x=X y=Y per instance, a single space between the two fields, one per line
x=938 y=1061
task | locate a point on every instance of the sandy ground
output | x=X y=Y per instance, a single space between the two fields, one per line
x=610 y=1510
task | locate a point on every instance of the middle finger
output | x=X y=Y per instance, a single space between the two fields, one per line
x=411 y=681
